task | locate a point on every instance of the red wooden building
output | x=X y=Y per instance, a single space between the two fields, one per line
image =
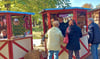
x=79 y=14
x=95 y=13
x=18 y=40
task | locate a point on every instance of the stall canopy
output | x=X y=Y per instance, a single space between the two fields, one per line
x=79 y=14
x=50 y=9
x=67 y=8
x=29 y=13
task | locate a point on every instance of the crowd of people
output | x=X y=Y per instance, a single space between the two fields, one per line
x=58 y=31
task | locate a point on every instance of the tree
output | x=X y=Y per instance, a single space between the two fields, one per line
x=35 y=6
x=63 y=3
x=28 y=6
x=88 y=6
x=32 y=5
x=98 y=6
x=6 y=4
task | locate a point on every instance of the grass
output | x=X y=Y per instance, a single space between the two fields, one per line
x=37 y=30
x=36 y=35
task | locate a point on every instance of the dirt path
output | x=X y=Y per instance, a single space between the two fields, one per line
x=42 y=48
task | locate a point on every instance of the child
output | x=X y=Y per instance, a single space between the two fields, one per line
x=4 y=33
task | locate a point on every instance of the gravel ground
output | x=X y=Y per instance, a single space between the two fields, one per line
x=38 y=42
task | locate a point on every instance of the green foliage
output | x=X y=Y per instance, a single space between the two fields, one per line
x=28 y=6
x=32 y=5
x=37 y=29
x=36 y=35
x=63 y=3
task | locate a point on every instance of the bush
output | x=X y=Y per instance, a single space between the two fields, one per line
x=37 y=28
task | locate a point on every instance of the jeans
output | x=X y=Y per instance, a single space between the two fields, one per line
x=51 y=52
x=76 y=54
x=94 y=50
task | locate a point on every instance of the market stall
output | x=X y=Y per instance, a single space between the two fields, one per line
x=95 y=14
x=15 y=34
x=79 y=14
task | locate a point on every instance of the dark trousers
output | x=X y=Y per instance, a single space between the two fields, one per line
x=76 y=54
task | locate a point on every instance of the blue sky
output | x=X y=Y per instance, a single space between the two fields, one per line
x=79 y=3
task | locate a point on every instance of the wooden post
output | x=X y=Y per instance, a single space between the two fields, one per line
x=10 y=47
x=87 y=20
x=9 y=34
x=45 y=31
x=43 y=23
x=30 y=19
x=30 y=23
x=49 y=20
x=90 y=14
x=8 y=26
x=75 y=15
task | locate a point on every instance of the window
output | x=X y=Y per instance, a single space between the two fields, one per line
x=3 y=27
x=20 y=25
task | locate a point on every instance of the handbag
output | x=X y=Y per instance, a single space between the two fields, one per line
x=66 y=39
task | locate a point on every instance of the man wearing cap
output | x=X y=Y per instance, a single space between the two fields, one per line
x=16 y=21
x=94 y=37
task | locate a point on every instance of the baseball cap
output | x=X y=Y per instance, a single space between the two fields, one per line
x=16 y=19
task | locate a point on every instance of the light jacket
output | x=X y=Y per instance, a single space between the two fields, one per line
x=54 y=37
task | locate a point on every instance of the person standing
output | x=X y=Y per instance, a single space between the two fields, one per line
x=54 y=38
x=94 y=37
x=74 y=35
x=62 y=25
